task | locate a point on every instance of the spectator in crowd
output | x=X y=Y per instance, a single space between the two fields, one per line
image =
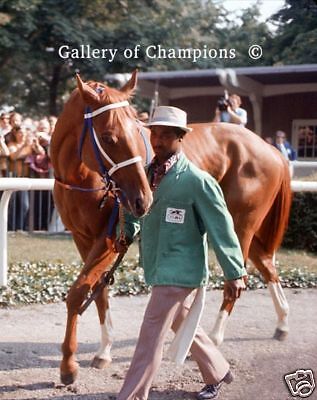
x=5 y=126
x=29 y=124
x=286 y=149
x=43 y=132
x=41 y=167
x=284 y=146
x=21 y=146
x=4 y=153
x=15 y=119
x=24 y=152
x=229 y=110
x=52 y=121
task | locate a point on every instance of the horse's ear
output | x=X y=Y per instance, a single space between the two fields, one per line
x=130 y=86
x=89 y=95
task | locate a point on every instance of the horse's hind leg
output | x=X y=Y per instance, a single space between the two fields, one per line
x=218 y=331
x=264 y=262
x=103 y=357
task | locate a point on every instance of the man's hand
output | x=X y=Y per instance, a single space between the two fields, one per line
x=233 y=289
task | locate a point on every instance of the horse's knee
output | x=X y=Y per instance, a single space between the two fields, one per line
x=270 y=275
x=267 y=269
x=76 y=296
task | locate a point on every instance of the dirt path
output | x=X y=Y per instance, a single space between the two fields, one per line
x=30 y=340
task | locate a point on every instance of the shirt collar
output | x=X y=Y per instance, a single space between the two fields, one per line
x=160 y=170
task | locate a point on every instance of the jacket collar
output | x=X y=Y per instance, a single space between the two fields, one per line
x=168 y=181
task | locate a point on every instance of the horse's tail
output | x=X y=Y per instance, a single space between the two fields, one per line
x=275 y=223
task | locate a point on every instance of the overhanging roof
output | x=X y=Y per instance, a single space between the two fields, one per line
x=262 y=81
x=306 y=73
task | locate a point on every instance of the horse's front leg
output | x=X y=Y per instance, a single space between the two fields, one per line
x=76 y=296
x=97 y=261
x=103 y=357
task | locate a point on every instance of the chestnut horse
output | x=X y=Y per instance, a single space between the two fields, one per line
x=116 y=150
x=253 y=175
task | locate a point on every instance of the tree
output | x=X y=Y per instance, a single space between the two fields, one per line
x=33 y=75
x=35 y=78
x=295 y=41
x=244 y=31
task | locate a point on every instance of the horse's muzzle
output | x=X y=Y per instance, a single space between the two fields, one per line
x=141 y=205
x=140 y=208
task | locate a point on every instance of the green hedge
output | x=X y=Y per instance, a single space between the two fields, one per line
x=302 y=228
x=42 y=282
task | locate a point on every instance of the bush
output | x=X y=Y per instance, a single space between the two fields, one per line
x=42 y=282
x=302 y=228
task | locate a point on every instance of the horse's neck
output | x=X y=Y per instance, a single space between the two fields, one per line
x=66 y=160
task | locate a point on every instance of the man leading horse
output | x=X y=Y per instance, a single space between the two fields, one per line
x=187 y=205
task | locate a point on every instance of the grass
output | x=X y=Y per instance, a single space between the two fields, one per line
x=42 y=247
x=23 y=247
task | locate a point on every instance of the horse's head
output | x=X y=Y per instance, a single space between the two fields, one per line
x=119 y=148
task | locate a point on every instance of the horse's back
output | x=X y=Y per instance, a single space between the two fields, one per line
x=250 y=171
x=222 y=148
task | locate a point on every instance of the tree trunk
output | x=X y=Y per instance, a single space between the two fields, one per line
x=53 y=89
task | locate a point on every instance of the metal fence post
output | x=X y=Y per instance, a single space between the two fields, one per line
x=3 y=236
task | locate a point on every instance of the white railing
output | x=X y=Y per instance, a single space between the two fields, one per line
x=10 y=185
x=302 y=186
x=304 y=164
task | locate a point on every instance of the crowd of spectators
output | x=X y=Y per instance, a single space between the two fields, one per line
x=24 y=145
x=24 y=152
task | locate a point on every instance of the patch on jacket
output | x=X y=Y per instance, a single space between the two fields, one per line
x=175 y=215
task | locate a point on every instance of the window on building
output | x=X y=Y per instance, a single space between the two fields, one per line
x=304 y=138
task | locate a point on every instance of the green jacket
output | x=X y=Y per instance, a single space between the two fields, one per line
x=187 y=204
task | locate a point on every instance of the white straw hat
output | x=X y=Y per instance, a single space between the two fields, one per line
x=170 y=116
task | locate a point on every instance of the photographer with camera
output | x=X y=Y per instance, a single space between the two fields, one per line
x=229 y=110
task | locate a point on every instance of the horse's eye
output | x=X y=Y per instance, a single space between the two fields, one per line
x=109 y=139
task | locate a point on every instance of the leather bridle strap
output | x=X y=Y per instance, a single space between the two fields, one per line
x=115 y=166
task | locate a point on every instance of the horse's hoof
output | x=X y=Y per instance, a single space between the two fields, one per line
x=100 y=363
x=69 y=379
x=280 y=335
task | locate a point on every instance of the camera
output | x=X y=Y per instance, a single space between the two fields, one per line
x=223 y=104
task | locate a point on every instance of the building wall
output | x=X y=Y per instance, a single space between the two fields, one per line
x=202 y=108
x=278 y=112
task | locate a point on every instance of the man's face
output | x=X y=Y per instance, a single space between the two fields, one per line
x=280 y=138
x=234 y=102
x=165 y=141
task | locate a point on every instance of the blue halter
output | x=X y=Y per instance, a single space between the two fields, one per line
x=99 y=152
